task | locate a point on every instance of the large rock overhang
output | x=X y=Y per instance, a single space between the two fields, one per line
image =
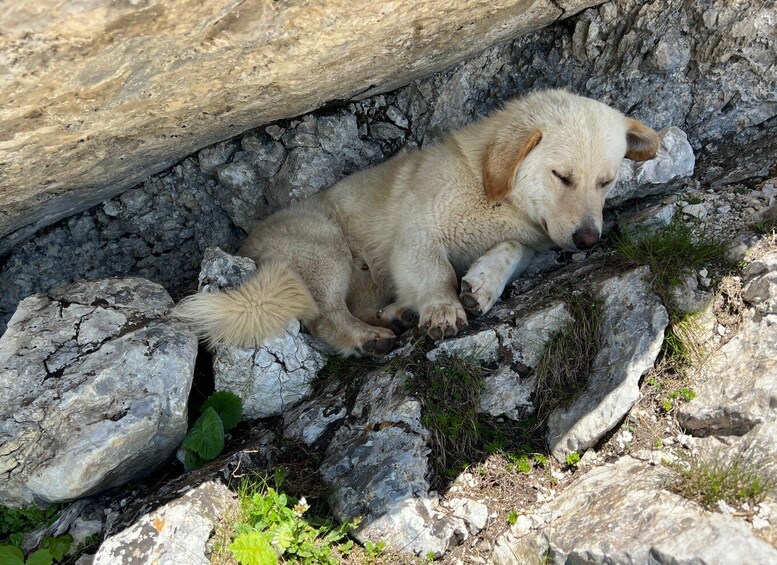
x=94 y=97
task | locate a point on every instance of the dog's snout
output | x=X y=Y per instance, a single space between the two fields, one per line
x=585 y=238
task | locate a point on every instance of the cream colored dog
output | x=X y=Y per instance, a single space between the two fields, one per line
x=385 y=247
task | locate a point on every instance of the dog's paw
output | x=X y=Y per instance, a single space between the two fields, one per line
x=442 y=319
x=398 y=318
x=381 y=342
x=477 y=296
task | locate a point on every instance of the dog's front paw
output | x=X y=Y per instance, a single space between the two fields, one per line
x=442 y=319
x=477 y=296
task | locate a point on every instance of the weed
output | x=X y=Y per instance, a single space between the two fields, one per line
x=573 y=459
x=374 y=550
x=764 y=227
x=205 y=440
x=734 y=478
x=512 y=517
x=274 y=525
x=563 y=369
x=668 y=253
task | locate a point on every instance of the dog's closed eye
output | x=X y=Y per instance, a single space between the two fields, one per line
x=603 y=183
x=565 y=180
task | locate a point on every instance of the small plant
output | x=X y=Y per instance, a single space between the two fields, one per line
x=430 y=557
x=573 y=459
x=540 y=460
x=512 y=517
x=52 y=549
x=374 y=550
x=205 y=441
x=274 y=526
x=734 y=478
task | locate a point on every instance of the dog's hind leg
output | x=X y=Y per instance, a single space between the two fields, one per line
x=491 y=273
x=313 y=245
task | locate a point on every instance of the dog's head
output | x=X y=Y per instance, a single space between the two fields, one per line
x=556 y=156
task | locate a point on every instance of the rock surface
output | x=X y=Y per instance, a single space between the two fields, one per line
x=95 y=386
x=633 y=322
x=174 y=534
x=738 y=383
x=621 y=514
x=271 y=379
x=377 y=466
x=96 y=97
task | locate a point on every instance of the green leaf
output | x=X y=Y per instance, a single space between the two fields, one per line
x=206 y=438
x=283 y=536
x=40 y=557
x=191 y=460
x=11 y=555
x=57 y=546
x=253 y=549
x=227 y=405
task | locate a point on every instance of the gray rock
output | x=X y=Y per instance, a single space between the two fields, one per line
x=620 y=513
x=698 y=211
x=95 y=389
x=508 y=393
x=220 y=270
x=377 y=468
x=633 y=322
x=305 y=172
x=241 y=193
x=211 y=158
x=271 y=379
x=675 y=160
x=474 y=513
x=310 y=420
x=737 y=386
x=174 y=534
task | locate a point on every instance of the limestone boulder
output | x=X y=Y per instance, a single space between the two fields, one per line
x=621 y=513
x=738 y=383
x=97 y=96
x=378 y=468
x=95 y=388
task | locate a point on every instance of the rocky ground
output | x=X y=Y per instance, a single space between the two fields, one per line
x=468 y=451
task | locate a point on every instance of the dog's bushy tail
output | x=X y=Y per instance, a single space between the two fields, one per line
x=244 y=316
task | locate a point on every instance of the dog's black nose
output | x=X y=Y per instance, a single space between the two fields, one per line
x=585 y=238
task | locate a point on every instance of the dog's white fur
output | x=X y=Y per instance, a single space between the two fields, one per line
x=385 y=247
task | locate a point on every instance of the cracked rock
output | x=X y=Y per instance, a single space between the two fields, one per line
x=95 y=386
x=377 y=466
x=272 y=378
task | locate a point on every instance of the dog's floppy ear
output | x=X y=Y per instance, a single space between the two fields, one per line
x=642 y=142
x=501 y=162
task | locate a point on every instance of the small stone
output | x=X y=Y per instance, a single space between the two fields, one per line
x=696 y=210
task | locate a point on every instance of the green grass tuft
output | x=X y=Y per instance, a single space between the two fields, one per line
x=735 y=479
x=563 y=369
x=669 y=254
